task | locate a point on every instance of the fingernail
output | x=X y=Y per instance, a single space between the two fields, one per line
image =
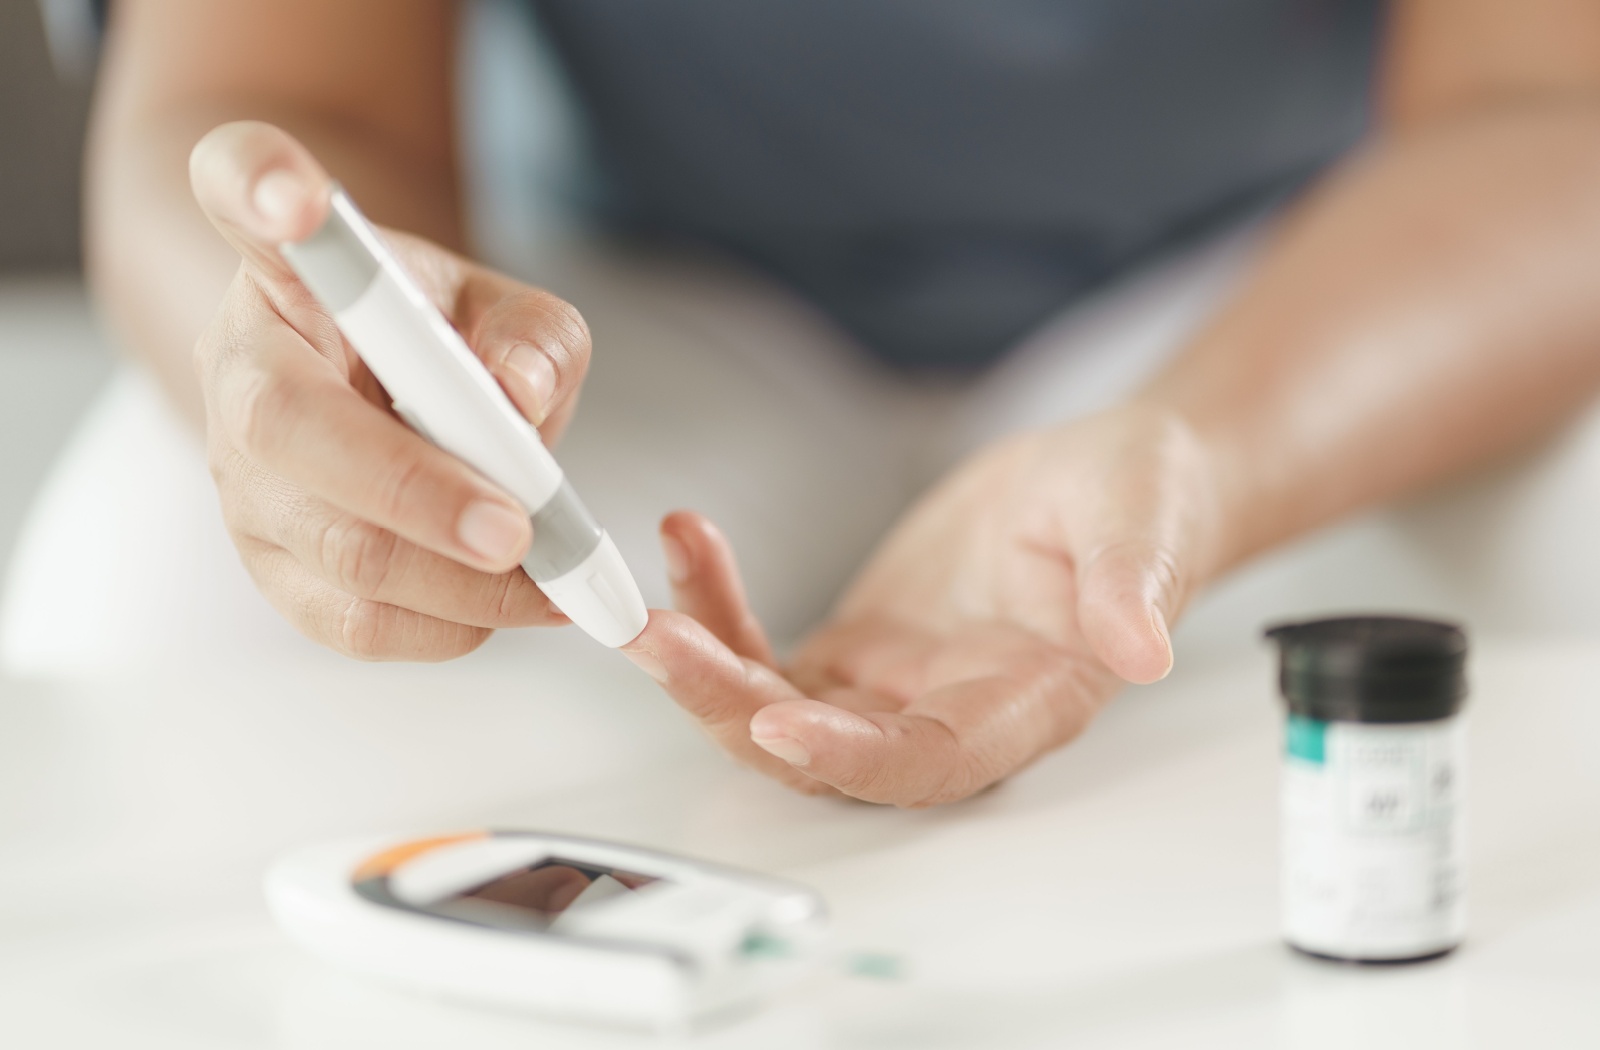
x=492 y=530
x=787 y=748
x=648 y=663
x=278 y=196
x=1158 y=623
x=677 y=556
x=535 y=370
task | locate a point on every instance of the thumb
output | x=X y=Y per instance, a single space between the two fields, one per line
x=259 y=187
x=1128 y=592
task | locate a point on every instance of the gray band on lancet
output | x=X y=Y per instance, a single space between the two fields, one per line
x=333 y=262
x=564 y=533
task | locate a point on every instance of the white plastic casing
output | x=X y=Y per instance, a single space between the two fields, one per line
x=441 y=389
x=1373 y=840
x=660 y=958
x=601 y=596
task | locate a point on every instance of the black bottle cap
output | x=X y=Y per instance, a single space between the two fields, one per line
x=1372 y=668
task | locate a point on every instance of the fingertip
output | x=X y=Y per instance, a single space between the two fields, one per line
x=693 y=546
x=677 y=520
x=1135 y=646
x=707 y=586
x=677 y=641
x=684 y=544
x=645 y=647
x=536 y=345
x=1158 y=623
x=695 y=528
x=207 y=158
x=259 y=179
x=648 y=662
x=789 y=749
x=529 y=376
x=497 y=533
x=663 y=627
x=677 y=524
x=1122 y=593
x=680 y=563
x=288 y=205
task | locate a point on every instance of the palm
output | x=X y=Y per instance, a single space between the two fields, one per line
x=957 y=641
x=960 y=654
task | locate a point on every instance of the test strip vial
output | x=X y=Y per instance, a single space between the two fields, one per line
x=1372 y=799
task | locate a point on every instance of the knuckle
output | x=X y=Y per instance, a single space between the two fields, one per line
x=214 y=348
x=1075 y=693
x=365 y=630
x=397 y=485
x=957 y=789
x=228 y=336
x=359 y=555
x=504 y=600
x=808 y=787
x=1167 y=575
x=508 y=602
x=871 y=781
x=220 y=462
x=264 y=412
x=1140 y=563
x=463 y=640
x=258 y=561
x=950 y=788
x=237 y=516
x=963 y=771
x=372 y=631
x=237 y=497
x=570 y=328
x=202 y=358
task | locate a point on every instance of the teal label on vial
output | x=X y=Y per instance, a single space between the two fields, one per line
x=1307 y=739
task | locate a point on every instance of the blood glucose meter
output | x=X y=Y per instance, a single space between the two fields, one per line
x=551 y=923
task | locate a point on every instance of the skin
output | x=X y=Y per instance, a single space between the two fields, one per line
x=1432 y=305
x=403 y=551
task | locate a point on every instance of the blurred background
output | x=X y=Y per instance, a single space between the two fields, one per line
x=52 y=358
x=44 y=102
x=1493 y=552
x=137 y=811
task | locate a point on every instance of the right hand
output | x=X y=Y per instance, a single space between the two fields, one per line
x=368 y=538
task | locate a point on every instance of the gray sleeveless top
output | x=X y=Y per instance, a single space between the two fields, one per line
x=940 y=175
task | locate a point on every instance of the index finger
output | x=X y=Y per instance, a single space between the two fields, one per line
x=721 y=689
x=274 y=401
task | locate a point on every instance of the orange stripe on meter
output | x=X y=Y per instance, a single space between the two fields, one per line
x=380 y=864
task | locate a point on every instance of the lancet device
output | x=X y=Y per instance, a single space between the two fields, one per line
x=553 y=924
x=444 y=393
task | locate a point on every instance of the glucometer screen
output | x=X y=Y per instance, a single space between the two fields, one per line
x=537 y=895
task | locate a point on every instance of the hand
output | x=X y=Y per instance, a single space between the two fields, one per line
x=989 y=628
x=368 y=538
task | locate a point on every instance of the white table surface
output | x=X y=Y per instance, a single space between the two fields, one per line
x=1121 y=893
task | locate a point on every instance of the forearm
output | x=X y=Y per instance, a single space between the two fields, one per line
x=1434 y=304
x=157 y=267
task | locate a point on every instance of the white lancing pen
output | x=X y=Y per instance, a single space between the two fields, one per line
x=444 y=392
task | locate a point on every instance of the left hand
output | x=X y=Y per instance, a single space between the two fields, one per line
x=989 y=628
